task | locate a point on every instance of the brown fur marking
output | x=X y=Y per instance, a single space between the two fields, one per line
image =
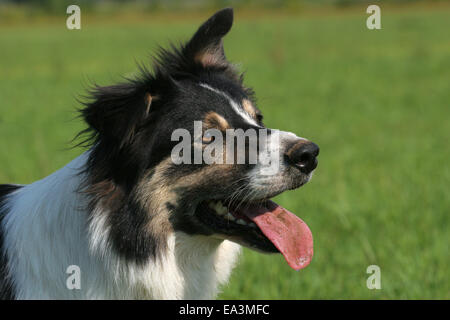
x=210 y=57
x=249 y=108
x=215 y=120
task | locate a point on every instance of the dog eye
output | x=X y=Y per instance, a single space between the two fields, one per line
x=208 y=137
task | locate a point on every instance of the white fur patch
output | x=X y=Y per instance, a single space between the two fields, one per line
x=236 y=107
x=47 y=229
x=274 y=148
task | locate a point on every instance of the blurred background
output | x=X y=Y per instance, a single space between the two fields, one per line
x=376 y=101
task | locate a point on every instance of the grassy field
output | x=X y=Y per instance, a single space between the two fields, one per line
x=377 y=103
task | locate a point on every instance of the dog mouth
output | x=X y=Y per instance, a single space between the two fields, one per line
x=261 y=225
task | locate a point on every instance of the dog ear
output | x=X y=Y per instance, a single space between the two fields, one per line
x=206 y=46
x=115 y=112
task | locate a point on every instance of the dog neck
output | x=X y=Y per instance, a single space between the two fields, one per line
x=47 y=230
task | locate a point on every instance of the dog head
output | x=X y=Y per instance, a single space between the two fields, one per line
x=181 y=148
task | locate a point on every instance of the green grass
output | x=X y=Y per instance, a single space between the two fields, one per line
x=377 y=103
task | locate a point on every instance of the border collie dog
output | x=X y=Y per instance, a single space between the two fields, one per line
x=137 y=225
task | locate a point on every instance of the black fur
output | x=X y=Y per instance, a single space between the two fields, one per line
x=6 y=286
x=128 y=139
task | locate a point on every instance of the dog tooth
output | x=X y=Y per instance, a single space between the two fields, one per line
x=240 y=221
x=221 y=210
x=230 y=216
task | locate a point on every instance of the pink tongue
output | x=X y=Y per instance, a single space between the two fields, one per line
x=289 y=234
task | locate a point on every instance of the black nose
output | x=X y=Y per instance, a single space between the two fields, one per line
x=303 y=156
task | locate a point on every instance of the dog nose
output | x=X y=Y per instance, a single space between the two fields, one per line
x=303 y=156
